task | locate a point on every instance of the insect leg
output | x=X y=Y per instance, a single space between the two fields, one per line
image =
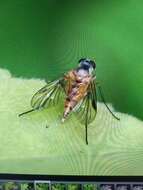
x=86 y=122
x=86 y=137
x=102 y=97
x=26 y=112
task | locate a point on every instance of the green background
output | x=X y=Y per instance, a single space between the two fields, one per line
x=45 y=38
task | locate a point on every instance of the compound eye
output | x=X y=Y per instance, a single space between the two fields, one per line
x=93 y=64
x=81 y=60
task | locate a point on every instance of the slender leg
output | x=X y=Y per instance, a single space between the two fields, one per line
x=86 y=137
x=26 y=112
x=86 y=124
x=102 y=97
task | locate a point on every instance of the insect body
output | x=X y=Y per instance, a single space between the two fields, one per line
x=79 y=87
x=76 y=89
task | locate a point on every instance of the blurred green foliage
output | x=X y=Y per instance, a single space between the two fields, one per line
x=27 y=186
x=45 y=186
x=58 y=186
x=42 y=186
x=11 y=186
x=74 y=187
x=45 y=39
x=24 y=186
x=89 y=187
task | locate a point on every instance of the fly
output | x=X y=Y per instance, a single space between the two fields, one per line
x=79 y=87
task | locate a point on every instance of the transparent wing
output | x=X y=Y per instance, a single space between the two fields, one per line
x=86 y=109
x=48 y=95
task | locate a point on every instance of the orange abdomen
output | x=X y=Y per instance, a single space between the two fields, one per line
x=76 y=92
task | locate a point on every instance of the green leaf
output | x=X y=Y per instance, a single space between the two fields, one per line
x=28 y=146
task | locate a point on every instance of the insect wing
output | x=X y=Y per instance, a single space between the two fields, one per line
x=48 y=95
x=86 y=109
